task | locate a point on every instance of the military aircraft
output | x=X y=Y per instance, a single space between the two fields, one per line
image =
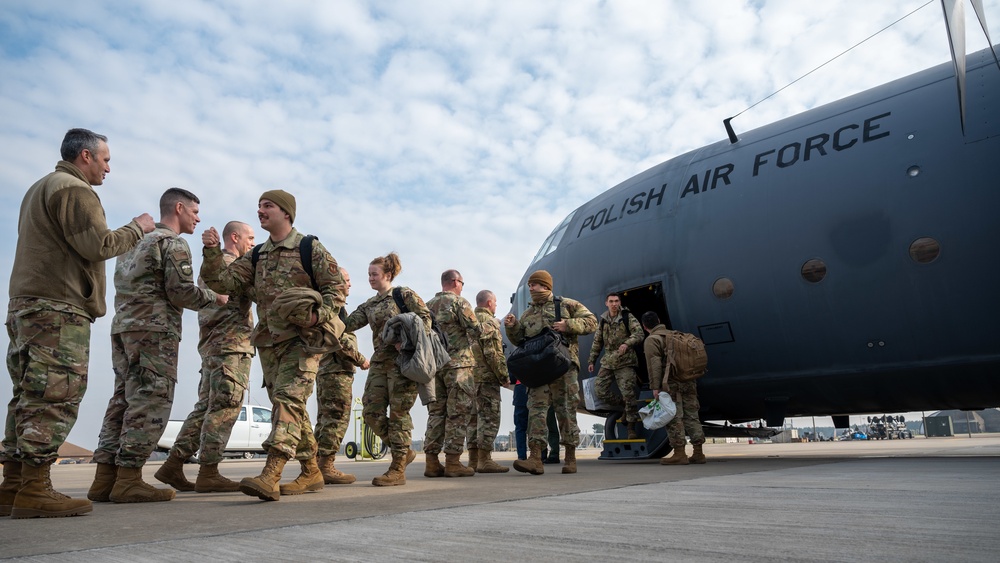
x=836 y=262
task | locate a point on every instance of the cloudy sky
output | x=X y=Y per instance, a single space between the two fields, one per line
x=455 y=133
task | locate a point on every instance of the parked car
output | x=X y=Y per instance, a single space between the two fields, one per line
x=250 y=430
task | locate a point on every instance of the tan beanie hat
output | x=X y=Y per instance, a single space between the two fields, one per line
x=284 y=200
x=541 y=277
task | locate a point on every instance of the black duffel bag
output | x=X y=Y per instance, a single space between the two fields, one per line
x=541 y=359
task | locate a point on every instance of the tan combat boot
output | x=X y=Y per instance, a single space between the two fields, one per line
x=697 y=456
x=37 y=499
x=211 y=481
x=309 y=479
x=533 y=464
x=677 y=458
x=172 y=473
x=129 y=487
x=104 y=481
x=474 y=458
x=432 y=466
x=11 y=484
x=453 y=466
x=265 y=485
x=487 y=465
x=332 y=475
x=396 y=474
x=632 y=434
x=569 y=460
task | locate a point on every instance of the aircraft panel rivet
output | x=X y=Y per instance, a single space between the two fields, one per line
x=913 y=171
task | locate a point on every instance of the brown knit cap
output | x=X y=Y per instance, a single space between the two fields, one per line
x=542 y=278
x=283 y=199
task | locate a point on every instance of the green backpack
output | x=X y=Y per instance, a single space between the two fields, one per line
x=686 y=357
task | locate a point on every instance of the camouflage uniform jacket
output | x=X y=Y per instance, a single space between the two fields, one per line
x=655 y=349
x=226 y=329
x=379 y=309
x=456 y=317
x=611 y=334
x=345 y=360
x=578 y=318
x=279 y=267
x=154 y=283
x=491 y=366
x=62 y=242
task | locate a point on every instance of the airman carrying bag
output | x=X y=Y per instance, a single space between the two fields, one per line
x=541 y=359
x=686 y=357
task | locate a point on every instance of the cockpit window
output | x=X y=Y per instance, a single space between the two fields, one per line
x=521 y=300
x=554 y=239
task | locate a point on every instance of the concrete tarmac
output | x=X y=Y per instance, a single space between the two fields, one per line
x=911 y=500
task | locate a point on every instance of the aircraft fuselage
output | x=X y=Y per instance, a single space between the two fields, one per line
x=839 y=261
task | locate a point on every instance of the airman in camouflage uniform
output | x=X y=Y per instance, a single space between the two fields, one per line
x=154 y=283
x=334 y=394
x=226 y=351
x=490 y=374
x=454 y=384
x=57 y=289
x=288 y=362
x=385 y=388
x=563 y=393
x=617 y=331
x=683 y=393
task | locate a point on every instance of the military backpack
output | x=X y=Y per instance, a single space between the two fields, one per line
x=686 y=357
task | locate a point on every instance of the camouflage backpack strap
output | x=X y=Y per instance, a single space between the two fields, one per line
x=558 y=301
x=625 y=315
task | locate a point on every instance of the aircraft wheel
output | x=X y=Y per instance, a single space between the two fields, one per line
x=351 y=450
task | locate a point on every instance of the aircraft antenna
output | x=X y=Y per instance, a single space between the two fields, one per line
x=727 y=122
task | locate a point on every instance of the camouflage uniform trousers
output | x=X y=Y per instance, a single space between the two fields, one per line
x=289 y=376
x=626 y=379
x=224 y=381
x=685 y=395
x=484 y=422
x=563 y=395
x=387 y=390
x=333 y=409
x=448 y=416
x=145 y=365
x=47 y=359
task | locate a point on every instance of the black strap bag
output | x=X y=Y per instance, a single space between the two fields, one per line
x=543 y=358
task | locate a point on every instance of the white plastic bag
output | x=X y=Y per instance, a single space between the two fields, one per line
x=658 y=414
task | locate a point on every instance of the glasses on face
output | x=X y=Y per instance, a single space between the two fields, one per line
x=459 y=281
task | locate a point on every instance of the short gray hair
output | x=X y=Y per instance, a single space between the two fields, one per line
x=76 y=140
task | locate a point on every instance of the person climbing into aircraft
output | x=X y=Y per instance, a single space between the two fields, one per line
x=683 y=393
x=617 y=332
